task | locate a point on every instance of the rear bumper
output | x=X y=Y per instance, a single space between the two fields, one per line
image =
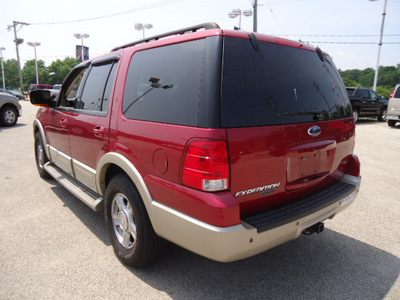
x=226 y=244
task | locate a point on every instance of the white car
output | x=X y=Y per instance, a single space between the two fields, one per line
x=393 y=112
x=10 y=110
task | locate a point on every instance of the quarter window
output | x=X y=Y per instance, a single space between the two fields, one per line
x=163 y=84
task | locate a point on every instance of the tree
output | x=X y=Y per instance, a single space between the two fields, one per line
x=59 y=69
x=11 y=74
x=54 y=74
x=349 y=82
x=389 y=76
x=29 y=72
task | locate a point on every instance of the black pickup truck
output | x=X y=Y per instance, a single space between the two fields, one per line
x=367 y=103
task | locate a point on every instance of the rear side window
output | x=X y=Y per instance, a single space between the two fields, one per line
x=163 y=84
x=279 y=85
x=97 y=90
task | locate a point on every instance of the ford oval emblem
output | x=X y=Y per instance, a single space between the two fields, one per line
x=314 y=131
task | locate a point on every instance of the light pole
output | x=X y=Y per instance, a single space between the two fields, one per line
x=238 y=13
x=2 y=67
x=140 y=26
x=34 y=45
x=81 y=37
x=379 y=45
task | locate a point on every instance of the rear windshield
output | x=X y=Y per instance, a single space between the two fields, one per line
x=279 y=85
x=350 y=91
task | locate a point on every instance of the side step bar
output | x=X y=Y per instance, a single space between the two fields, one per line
x=88 y=197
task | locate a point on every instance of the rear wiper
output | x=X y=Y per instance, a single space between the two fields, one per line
x=301 y=113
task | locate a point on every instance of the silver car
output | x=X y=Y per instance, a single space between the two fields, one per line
x=10 y=110
x=393 y=111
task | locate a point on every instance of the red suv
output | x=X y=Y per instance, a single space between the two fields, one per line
x=224 y=142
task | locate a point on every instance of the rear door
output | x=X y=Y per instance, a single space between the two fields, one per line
x=288 y=121
x=89 y=126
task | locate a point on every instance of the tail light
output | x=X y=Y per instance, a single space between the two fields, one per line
x=351 y=165
x=392 y=94
x=206 y=166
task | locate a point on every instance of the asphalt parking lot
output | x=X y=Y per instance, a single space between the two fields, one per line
x=54 y=247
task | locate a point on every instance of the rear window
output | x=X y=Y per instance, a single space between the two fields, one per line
x=279 y=85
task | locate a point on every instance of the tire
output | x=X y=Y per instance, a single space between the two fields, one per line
x=356 y=115
x=8 y=116
x=382 y=116
x=391 y=123
x=133 y=238
x=40 y=156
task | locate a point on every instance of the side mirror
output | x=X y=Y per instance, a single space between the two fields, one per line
x=42 y=98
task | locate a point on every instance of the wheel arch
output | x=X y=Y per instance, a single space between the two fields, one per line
x=113 y=163
x=37 y=127
x=5 y=104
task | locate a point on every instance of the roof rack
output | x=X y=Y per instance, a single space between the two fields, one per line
x=204 y=26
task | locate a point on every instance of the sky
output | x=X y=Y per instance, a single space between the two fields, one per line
x=347 y=29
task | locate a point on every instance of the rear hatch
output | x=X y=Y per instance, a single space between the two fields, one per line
x=288 y=120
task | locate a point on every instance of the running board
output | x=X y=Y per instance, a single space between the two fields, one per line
x=88 y=197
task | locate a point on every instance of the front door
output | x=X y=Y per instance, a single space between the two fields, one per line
x=58 y=128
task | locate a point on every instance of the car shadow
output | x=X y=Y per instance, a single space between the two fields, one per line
x=94 y=221
x=325 y=266
x=11 y=127
x=366 y=121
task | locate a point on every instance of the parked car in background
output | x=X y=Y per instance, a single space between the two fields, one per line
x=10 y=109
x=393 y=111
x=367 y=103
x=55 y=90
x=14 y=93
x=34 y=87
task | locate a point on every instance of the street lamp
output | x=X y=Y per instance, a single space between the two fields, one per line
x=379 y=45
x=238 y=13
x=34 y=45
x=81 y=37
x=2 y=67
x=140 y=26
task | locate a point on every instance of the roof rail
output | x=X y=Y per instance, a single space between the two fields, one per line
x=204 y=26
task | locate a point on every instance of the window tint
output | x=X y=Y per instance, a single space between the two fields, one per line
x=96 y=87
x=163 y=84
x=279 y=85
